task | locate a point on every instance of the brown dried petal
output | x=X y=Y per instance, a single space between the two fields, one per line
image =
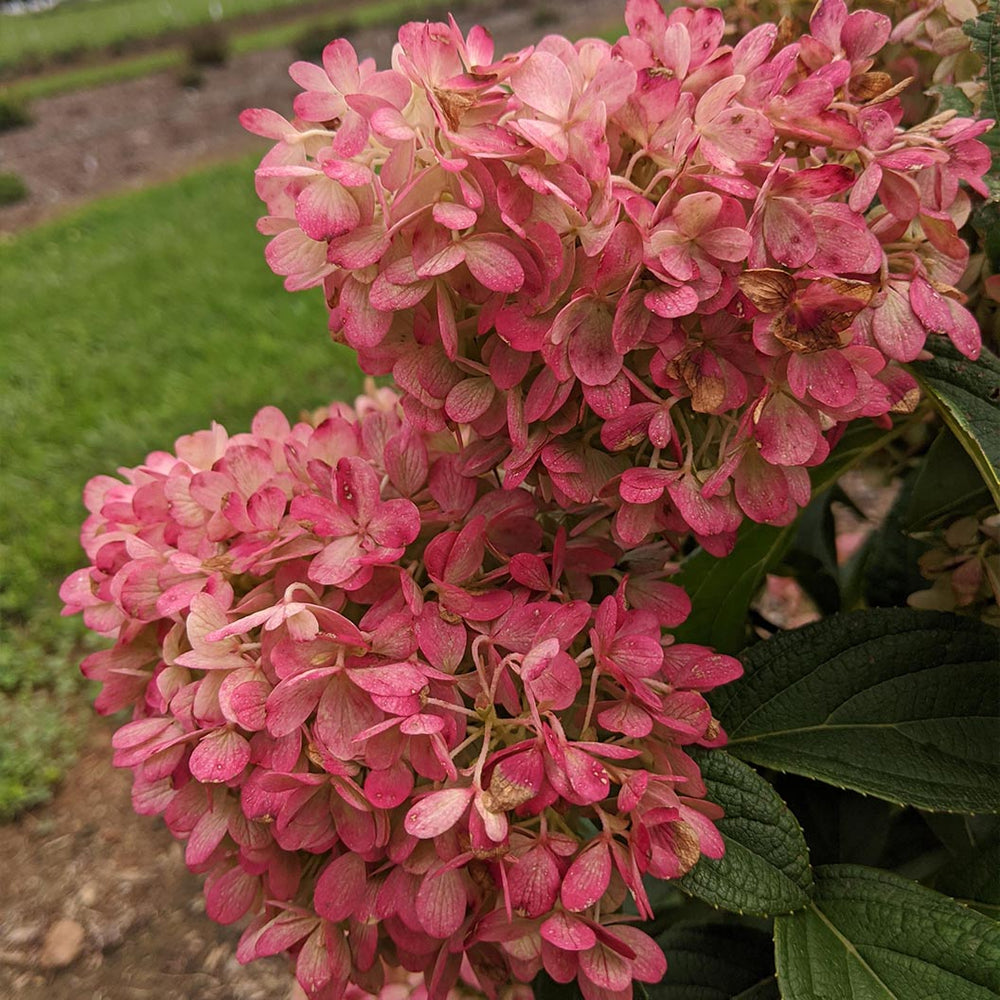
x=686 y=845
x=908 y=402
x=867 y=86
x=863 y=291
x=504 y=794
x=821 y=337
x=887 y=95
x=454 y=104
x=707 y=393
x=768 y=288
x=786 y=34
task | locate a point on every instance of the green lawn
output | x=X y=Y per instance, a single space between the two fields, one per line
x=94 y=75
x=272 y=37
x=87 y=24
x=123 y=326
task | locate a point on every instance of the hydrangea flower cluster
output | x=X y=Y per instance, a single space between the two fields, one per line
x=963 y=566
x=655 y=277
x=935 y=27
x=403 y=718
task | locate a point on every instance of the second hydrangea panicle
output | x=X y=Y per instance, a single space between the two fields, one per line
x=552 y=249
x=400 y=716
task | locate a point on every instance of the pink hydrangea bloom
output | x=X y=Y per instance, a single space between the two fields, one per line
x=401 y=675
x=402 y=718
x=549 y=251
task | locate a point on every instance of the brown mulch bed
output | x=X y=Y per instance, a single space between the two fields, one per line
x=96 y=903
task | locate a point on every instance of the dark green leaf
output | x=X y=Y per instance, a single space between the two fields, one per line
x=946 y=485
x=967 y=394
x=975 y=877
x=892 y=702
x=871 y=935
x=717 y=962
x=986 y=222
x=973 y=873
x=960 y=834
x=721 y=590
x=812 y=556
x=765 y=869
x=952 y=98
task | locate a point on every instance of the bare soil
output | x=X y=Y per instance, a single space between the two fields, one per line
x=91 y=143
x=96 y=904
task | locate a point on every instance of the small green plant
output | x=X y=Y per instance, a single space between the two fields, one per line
x=14 y=114
x=208 y=46
x=70 y=55
x=12 y=189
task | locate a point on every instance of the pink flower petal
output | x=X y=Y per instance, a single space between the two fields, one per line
x=441 y=902
x=592 y=355
x=534 y=882
x=544 y=84
x=649 y=965
x=390 y=787
x=587 y=879
x=864 y=33
x=231 y=896
x=219 y=756
x=394 y=679
x=627 y=718
x=697 y=668
x=788 y=435
x=672 y=302
x=789 y=233
x=557 y=685
x=324 y=962
x=343 y=712
x=605 y=968
x=395 y=524
x=896 y=329
x=437 y=812
x=454 y=216
x=726 y=243
x=516 y=779
x=587 y=776
x=826 y=375
x=495 y=266
x=302 y=260
x=669 y=602
x=737 y=135
x=292 y=701
x=206 y=836
x=282 y=932
x=568 y=932
x=340 y=888
x=267 y=123
x=942 y=314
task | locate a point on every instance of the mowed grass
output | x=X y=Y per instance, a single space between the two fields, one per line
x=87 y=24
x=139 y=319
x=274 y=36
